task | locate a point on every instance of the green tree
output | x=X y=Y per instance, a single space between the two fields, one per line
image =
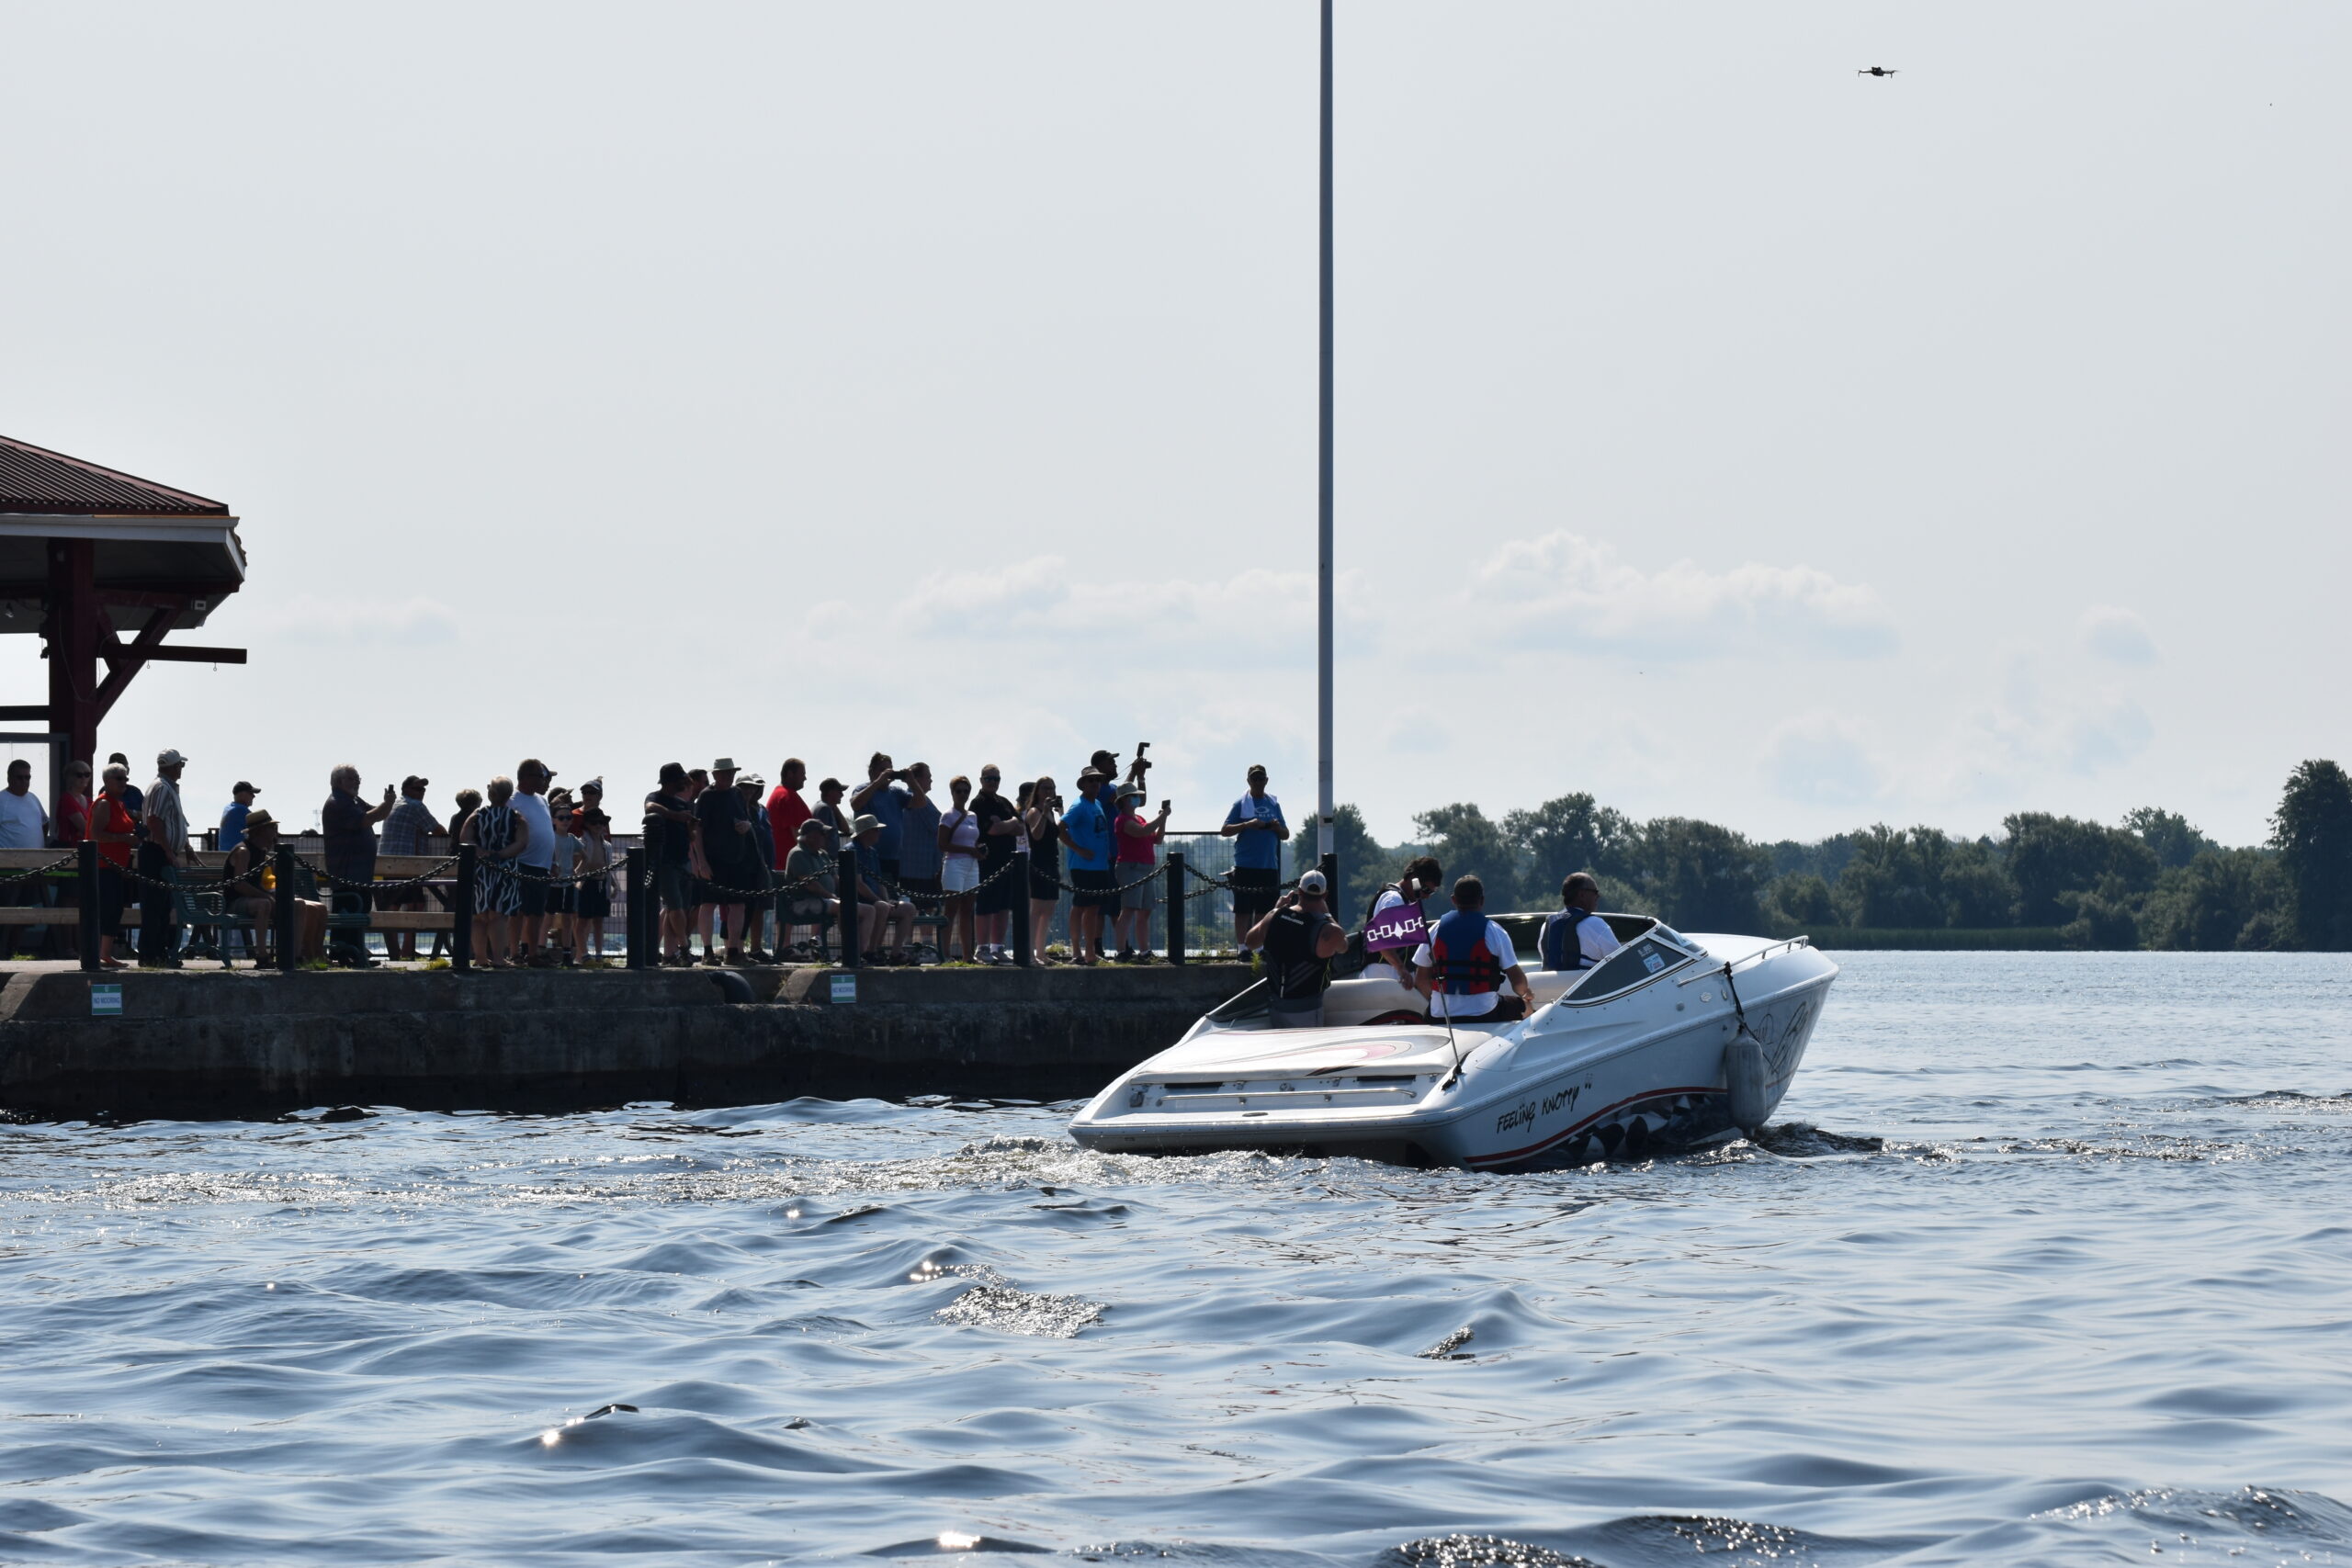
x=2313 y=833
x=1977 y=892
x=1363 y=863
x=1468 y=843
x=1800 y=899
x=1701 y=876
x=1561 y=836
x=2219 y=901
x=1894 y=878
x=2049 y=857
x=2168 y=834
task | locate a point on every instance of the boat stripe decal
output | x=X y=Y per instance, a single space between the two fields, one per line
x=1605 y=1110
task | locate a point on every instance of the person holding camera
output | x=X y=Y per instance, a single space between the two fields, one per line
x=884 y=797
x=1041 y=810
x=1300 y=939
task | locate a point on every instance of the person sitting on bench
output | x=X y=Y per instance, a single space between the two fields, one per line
x=252 y=891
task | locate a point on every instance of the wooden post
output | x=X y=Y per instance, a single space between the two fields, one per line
x=1175 y=906
x=1022 y=955
x=73 y=639
x=461 y=908
x=85 y=872
x=282 y=909
x=633 y=905
x=845 y=876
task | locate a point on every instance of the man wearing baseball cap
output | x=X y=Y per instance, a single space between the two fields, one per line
x=406 y=827
x=159 y=858
x=1299 y=937
x=233 y=815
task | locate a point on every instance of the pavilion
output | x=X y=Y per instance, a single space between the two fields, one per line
x=105 y=566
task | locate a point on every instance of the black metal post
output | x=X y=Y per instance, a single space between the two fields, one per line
x=633 y=905
x=461 y=908
x=1175 y=906
x=1330 y=870
x=845 y=876
x=281 y=913
x=85 y=872
x=1023 y=956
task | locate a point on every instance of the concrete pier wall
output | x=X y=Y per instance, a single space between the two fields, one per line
x=201 y=1045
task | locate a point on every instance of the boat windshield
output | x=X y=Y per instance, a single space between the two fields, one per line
x=1634 y=964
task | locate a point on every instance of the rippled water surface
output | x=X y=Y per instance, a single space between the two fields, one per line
x=2047 y=1262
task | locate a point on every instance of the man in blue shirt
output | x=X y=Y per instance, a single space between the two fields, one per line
x=1086 y=829
x=884 y=799
x=1256 y=826
x=233 y=817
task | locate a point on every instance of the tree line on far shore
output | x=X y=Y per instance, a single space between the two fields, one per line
x=2152 y=881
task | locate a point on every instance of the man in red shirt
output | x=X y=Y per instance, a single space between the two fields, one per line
x=787 y=810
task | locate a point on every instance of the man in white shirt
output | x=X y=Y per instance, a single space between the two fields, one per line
x=1462 y=967
x=23 y=826
x=1576 y=938
x=160 y=859
x=537 y=860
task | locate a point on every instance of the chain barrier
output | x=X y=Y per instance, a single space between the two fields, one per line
x=61 y=864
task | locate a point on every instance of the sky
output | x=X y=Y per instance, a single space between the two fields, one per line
x=1719 y=431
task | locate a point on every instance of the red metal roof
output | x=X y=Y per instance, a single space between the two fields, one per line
x=33 y=479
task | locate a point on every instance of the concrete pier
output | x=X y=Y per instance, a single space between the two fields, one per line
x=201 y=1043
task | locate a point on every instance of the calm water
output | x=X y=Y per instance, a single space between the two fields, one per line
x=2087 y=1303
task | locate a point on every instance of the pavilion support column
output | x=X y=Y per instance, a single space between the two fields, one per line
x=73 y=637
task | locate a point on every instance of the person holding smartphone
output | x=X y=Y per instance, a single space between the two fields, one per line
x=1256 y=825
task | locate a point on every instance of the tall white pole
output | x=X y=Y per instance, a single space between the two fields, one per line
x=1324 y=807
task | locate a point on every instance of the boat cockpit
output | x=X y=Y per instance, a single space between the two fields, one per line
x=1365 y=989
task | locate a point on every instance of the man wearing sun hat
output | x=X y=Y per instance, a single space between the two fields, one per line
x=730 y=850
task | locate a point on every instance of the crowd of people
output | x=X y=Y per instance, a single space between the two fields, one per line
x=722 y=848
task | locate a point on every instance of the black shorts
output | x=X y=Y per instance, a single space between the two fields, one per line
x=674 y=886
x=745 y=882
x=890 y=869
x=1095 y=890
x=1041 y=882
x=1254 y=891
x=595 y=900
x=535 y=892
x=1000 y=890
x=562 y=897
x=109 y=898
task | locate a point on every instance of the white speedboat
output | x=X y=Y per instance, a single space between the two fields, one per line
x=1675 y=1041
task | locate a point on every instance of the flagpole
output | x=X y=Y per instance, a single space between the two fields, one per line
x=1323 y=809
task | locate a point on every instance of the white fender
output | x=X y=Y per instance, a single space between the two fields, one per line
x=1744 y=1081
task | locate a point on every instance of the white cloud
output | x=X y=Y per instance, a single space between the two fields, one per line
x=1557 y=590
x=1564 y=587
x=2116 y=634
x=382 y=623
x=1820 y=758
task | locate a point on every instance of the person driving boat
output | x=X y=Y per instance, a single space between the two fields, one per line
x=1462 y=966
x=1576 y=938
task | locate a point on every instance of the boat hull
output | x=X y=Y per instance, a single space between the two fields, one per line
x=1621 y=1077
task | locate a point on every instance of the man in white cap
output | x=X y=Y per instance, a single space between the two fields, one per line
x=159 y=858
x=1299 y=937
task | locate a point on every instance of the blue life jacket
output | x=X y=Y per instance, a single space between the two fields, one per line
x=1563 y=940
x=1466 y=965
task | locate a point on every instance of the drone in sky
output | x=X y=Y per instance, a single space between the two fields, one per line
x=1874 y=71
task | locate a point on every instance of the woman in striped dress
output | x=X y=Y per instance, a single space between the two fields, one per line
x=497 y=836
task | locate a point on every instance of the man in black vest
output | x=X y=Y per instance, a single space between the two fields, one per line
x=1576 y=938
x=1299 y=937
